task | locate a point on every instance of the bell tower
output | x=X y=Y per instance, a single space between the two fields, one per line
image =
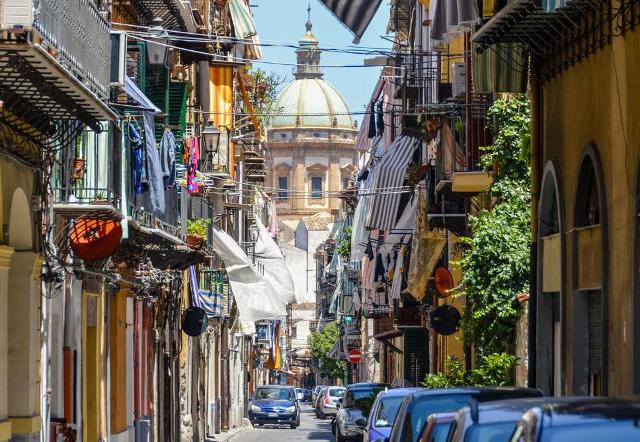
x=308 y=54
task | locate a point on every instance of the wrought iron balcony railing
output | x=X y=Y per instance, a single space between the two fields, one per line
x=77 y=30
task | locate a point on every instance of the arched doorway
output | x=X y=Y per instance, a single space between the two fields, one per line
x=550 y=299
x=589 y=305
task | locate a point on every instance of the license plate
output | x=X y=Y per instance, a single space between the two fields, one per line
x=272 y=414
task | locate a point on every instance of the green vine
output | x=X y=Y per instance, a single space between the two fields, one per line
x=494 y=369
x=344 y=247
x=496 y=263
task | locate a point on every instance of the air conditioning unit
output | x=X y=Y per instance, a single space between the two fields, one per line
x=118 y=58
x=459 y=80
x=16 y=15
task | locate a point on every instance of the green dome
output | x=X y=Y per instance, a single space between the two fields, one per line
x=311 y=102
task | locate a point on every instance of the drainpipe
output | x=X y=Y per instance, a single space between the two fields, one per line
x=534 y=94
x=124 y=161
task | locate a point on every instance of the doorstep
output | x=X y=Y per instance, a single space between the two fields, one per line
x=228 y=435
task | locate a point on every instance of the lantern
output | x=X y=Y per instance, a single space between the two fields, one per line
x=157 y=46
x=211 y=138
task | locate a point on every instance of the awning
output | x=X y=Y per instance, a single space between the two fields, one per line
x=274 y=266
x=354 y=14
x=138 y=96
x=452 y=16
x=245 y=28
x=385 y=193
x=255 y=296
x=388 y=335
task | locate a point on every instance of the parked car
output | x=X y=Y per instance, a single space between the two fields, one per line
x=383 y=413
x=417 y=406
x=316 y=403
x=275 y=405
x=300 y=394
x=495 y=421
x=602 y=419
x=437 y=427
x=350 y=422
x=328 y=402
x=314 y=393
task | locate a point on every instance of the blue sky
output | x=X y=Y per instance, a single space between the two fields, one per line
x=284 y=20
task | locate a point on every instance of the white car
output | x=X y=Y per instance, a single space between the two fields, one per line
x=329 y=401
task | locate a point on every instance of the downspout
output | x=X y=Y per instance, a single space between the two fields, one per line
x=534 y=95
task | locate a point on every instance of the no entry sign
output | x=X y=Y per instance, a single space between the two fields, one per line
x=354 y=356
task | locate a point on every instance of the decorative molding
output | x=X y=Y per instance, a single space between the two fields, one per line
x=282 y=168
x=6 y=252
x=317 y=167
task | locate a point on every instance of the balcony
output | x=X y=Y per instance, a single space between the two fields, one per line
x=55 y=62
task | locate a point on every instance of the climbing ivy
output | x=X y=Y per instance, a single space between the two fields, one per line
x=496 y=263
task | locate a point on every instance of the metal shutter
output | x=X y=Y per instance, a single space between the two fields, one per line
x=416 y=355
x=595 y=331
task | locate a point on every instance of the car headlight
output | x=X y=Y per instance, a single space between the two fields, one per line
x=291 y=409
x=256 y=409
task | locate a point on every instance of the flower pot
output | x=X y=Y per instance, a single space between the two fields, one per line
x=79 y=165
x=194 y=241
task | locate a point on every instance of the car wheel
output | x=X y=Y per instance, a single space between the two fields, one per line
x=294 y=426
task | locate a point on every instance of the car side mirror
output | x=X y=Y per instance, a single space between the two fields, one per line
x=361 y=422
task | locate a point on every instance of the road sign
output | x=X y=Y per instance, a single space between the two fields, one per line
x=354 y=356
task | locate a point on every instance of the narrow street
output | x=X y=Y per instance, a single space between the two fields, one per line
x=310 y=429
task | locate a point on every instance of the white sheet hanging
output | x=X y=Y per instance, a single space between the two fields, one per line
x=255 y=296
x=275 y=267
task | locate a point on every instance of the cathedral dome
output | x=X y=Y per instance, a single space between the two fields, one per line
x=309 y=100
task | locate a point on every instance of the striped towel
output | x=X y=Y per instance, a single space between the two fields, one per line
x=211 y=303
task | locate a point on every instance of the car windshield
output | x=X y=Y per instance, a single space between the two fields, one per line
x=387 y=411
x=336 y=392
x=621 y=430
x=275 y=393
x=433 y=404
x=489 y=432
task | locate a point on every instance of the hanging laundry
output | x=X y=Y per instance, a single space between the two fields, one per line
x=192 y=181
x=372 y=121
x=154 y=172
x=135 y=143
x=168 y=147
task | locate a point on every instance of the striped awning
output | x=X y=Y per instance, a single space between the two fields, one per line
x=354 y=14
x=245 y=28
x=385 y=194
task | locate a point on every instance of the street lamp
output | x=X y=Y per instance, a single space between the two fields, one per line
x=157 y=46
x=211 y=138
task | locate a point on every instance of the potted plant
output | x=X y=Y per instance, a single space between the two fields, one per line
x=99 y=198
x=197 y=231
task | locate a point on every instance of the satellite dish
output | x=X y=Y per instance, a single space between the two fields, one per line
x=445 y=320
x=194 y=321
x=443 y=281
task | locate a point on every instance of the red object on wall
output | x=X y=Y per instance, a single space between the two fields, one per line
x=444 y=281
x=95 y=239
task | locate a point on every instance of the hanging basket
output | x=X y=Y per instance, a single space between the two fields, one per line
x=95 y=239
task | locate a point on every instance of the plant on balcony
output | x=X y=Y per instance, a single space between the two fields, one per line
x=197 y=231
x=495 y=264
x=344 y=247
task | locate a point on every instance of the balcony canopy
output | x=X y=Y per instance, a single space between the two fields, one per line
x=176 y=15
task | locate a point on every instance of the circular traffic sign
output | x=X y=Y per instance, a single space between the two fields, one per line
x=354 y=356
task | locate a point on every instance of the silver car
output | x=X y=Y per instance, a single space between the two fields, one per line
x=328 y=405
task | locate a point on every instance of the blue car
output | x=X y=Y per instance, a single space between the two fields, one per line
x=383 y=413
x=275 y=405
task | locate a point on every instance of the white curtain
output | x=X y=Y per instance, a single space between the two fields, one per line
x=275 y=267
x=256 y=297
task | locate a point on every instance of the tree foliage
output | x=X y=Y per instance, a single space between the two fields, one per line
x=320 y=343
x=496 y=263
x=494 y=369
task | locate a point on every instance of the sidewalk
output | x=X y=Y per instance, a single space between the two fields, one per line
x=227 y=436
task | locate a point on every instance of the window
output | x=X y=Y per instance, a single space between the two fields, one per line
x=283 y=187
x=316 y=187
x=345 y=183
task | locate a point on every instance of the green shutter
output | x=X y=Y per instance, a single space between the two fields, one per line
x=157 y=90
x=136 y=68
x=177 y=106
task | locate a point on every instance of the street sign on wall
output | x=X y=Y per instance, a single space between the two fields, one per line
x=354 y=356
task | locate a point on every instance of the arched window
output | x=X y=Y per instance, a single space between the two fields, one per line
x=590 y=280
x=549 y=301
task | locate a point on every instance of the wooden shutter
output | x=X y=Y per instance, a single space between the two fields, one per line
x=416 y=355
x=136 y=69
x=157 y=90
x=177 y=106
x=595 y=331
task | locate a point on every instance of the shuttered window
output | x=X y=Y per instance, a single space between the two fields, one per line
x=416 y=355
x=177 y=107
x=157 y=90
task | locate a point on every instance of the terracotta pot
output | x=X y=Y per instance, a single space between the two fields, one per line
x=95 y=239
x=194 y=241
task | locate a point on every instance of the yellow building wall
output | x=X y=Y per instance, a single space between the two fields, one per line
x=598 y=101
